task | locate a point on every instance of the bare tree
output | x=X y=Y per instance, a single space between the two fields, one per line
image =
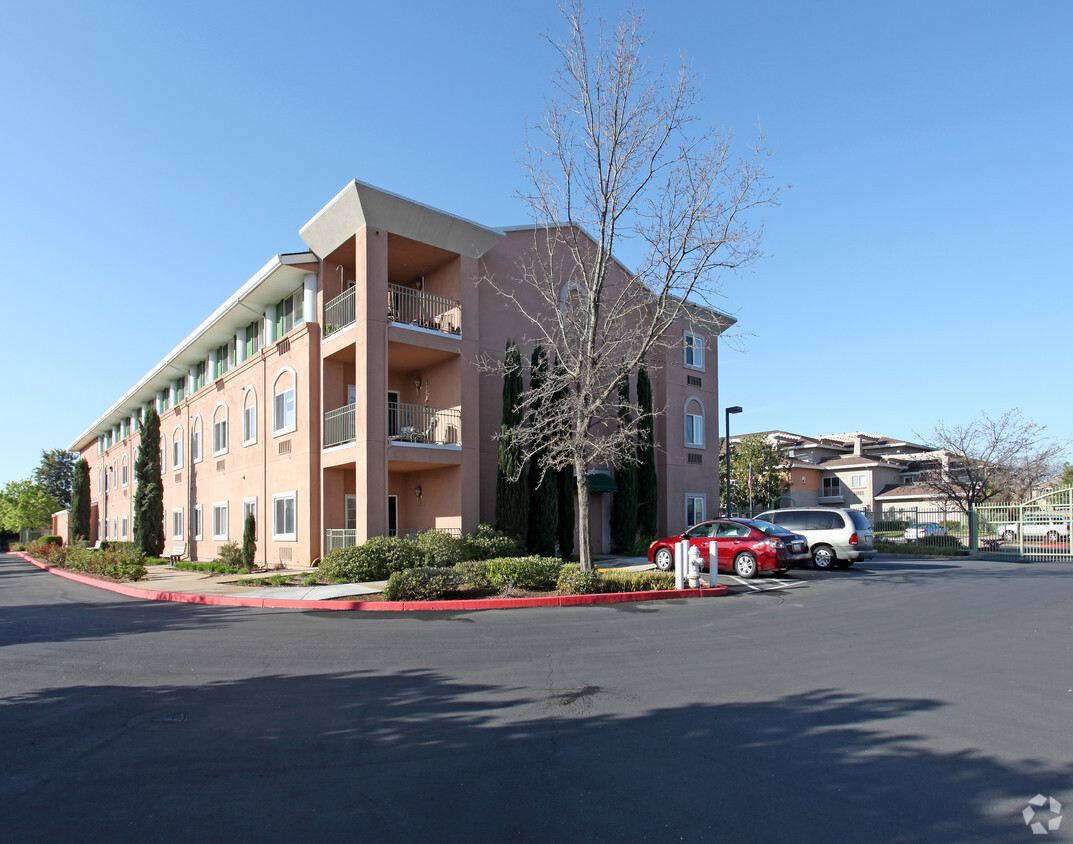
x=1002 y=457
x=618 y=163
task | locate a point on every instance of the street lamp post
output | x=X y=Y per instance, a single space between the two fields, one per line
x=726 y=439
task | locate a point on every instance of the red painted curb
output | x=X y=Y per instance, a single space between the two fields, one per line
x=376 y=606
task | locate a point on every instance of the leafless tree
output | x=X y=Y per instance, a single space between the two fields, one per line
x=618 y=163
x=1002 y=457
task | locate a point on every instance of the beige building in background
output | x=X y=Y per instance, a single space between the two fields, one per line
x=336 y=395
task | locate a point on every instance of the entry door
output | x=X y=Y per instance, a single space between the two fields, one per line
x=392 y=515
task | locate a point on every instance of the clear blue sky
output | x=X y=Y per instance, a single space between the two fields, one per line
x=154 y=156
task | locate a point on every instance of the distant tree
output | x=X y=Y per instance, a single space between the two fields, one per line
x=512 y=493
x=647 y=485
x=543 y=493
x=759 y=473
x=149 y=494
x=78 y=523
x=55 y=474
x=249 y=541
x=1067 y=476
x=624 y=504
x=25 y=505
x=1004 y=457
x=564 y=482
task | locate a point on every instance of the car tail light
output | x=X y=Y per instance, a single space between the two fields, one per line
x=853 y=539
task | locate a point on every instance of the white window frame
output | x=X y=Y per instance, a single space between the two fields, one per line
x=280 y=428
x=277 y=498
x=694 y=424
x=249 y=505
x=858 y=481
x=198 y=522
x=124 y=524
x=217 y=507
x=124 y=472
x=693 y=351
x=249 y=418
x=196 y=454
x=177 y=525
x=177 y=449
x=115 y=476
x=696 y=499
x=218 y=451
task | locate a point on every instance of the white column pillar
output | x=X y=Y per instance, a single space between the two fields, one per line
x=191 y=381
x=213 y=360
x=240 y=345
x=173 y=395
x=309 y=298
x=270 y=325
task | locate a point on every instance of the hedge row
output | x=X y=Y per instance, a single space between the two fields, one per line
x=118 y=561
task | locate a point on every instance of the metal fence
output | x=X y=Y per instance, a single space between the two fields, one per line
x=424 y=310
x=339 y=426
x=423 y=423
x=348 y=538
x=339 y=312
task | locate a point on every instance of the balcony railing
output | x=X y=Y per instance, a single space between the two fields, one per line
x=424 y=310
x=415 y=423
x=339 y=313
x=339 y=426
x=422 y=423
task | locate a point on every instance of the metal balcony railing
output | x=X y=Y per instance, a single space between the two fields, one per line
x=424 y=310
x=339 y=313
x=339 y=538
x=422 y=423
x=339 y=426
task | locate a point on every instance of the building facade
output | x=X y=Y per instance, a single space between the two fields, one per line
x=337 y=395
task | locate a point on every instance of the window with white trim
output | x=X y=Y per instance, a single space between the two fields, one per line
x=219 y=430
x=195 y=441
x=249 y=417
x=693 y=350
x=115 y=476
x=284 y=519
x=695 y=506
x=124 y=524
x=289 y=312
x=219 y=520
x=177 y=523
x=694 y=419
x=283 y=402
x=249 y=506
x=858 y=481
x=163 y=454
x=197 y=521
x=124 y=472
x=177 y=449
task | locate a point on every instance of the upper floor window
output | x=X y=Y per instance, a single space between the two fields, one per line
x=219 y=430
x=289 y=313
x=831 y=486
x=249 y=417
x=284 y=419
x=254 y=337
x=858 y=481
x=199 y=376
x=177 y=449
x=694 y=423
x=124 y=474
x=195 y=440
x=693 y=345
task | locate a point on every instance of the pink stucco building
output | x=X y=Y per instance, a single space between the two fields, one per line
x=336 y=395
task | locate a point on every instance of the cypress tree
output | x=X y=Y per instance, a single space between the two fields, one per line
x=512 y=491
x=79 y=521
x=624 y=505
x=543 y=492
x=249 y=541
x=647 y=493
x=149 y=496
x=566 y=487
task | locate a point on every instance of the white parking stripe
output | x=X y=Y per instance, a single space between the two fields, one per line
x=765 y=585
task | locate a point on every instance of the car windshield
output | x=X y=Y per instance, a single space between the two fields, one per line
x=768 y=527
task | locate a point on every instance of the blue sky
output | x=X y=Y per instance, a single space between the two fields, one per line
x=154 y=156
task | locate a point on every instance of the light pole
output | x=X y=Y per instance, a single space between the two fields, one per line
x=726 y=439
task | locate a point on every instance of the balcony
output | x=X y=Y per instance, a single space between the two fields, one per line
x=339 y=426
x=406 y=423
x=339 y=313
x=407 y=306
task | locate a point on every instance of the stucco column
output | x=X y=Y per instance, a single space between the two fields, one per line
x=309 y=298
x=173 y=395
x=270 y=325
x=213 y=362
x=370 y=376
x=240 y=345
x=470 y=475
x=191 y=381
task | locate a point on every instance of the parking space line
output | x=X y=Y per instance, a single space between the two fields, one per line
x=765 y=585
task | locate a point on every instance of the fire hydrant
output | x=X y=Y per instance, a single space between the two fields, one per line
x=693 y=567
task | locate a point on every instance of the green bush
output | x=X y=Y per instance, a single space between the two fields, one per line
x=524 y=572
x=377 y=559
x=573 y=581
x=891 y=526
x=915 y=548
x=954 y=525
x=426 y=583
x=218 y=567
x=636 y=581
x=438 y=548
x=474 y=572
x=116 y=563
x=486 y=543
x=48 y=552
x=940 y=541
x=640 y=547
x=230 y=555
x=51 y=540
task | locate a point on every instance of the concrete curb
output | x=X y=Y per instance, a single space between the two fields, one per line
x=376 y=606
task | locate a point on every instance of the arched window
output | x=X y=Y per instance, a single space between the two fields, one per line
x=124 y=472
x=115 y=475
x=694 y=413
x=284 y=399
x=195 y=440
x=249 y=417
x=219 y=430
x=177 y=448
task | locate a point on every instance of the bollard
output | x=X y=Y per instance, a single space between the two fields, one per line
x=679 y=563
x=713 y=563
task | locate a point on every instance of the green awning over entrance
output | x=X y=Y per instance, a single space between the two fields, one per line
x=601 y=482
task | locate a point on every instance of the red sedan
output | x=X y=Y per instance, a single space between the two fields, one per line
x=745 y=546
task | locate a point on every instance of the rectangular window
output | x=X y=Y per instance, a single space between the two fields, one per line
x=284 y=512
x=253 y=338
x=289 y=313
x=199 y=376
x=197 y=521
x=283 y=414
x=693 y=345
x=124 y=474
x=177 y=454
x=177 y=524
x=219 y=437
x=249 y=507
x=249 y=425
x=694 y=430
x=180 y=385
x=858 y=482
x=694 y=509
x=831 y=487
x=219 y=520
x=123 y=525
x=195 y=447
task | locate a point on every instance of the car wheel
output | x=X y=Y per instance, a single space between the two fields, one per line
x=664 y=559
x=823 y=557
x=843 y=564
x=1052 y=536
x=745 y=565
x=1009 y=536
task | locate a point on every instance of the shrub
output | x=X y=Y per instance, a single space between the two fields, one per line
x=215 y=567
x=891 y=525
x=121 y=562
x=377 y=559
x=636 y=581
x=940 y=541
x=523 y=572
x=425 y=583
x=474 y=572
x=573 y=581
x=51 y=540
x=230 y=554
x=51 y=553
x=438 y=548
x=920 y=548
x=486 y=543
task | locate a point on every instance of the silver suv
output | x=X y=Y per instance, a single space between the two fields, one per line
x=837 y=536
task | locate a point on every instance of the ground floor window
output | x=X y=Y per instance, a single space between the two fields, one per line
x=197 y=522
x=694 y=508
x=219 y=520
x=177 y=524
x=123 y=525
x=249 y=508
x=284 y=513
